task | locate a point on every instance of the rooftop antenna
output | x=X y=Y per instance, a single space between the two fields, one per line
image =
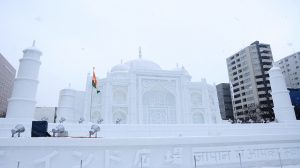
x=33 y=43
x=140 y=52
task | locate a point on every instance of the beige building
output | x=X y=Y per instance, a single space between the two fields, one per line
x=290 y=67
x=249 y=79
x=7 y=76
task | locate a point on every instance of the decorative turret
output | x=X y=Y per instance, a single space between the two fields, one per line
x=283 y=109
x=66 y=105
x=22 y=102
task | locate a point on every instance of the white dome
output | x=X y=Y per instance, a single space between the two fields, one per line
x=120 y=68
x=143 y=64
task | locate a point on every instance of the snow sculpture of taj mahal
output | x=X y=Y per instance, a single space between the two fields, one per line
x=140 y=92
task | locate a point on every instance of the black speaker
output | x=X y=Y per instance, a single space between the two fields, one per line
x=39 y=129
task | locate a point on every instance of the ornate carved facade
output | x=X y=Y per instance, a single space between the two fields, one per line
x=140 y=92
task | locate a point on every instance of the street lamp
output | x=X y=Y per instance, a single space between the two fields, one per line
x=60 y=131
x=18 y=129
x=94 y=130
x=81 y=120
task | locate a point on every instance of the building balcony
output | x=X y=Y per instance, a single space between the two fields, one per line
x=266 y=54
x=267 y=60
x=259 y=79
x=262 y=99
x=267 y=66
x=262 y=49
x=260 y=86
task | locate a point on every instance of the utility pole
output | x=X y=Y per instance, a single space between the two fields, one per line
x=141 y=161
x=240 y=160
x=195 y=161
x=280 y=159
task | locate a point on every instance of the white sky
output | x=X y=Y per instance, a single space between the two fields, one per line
x=75 y=35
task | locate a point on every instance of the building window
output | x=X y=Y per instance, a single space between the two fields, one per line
x=237 y=102
x=236 y=90
x=237 y=95
x=235 y=84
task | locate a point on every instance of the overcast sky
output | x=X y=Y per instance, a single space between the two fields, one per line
x=76 y=35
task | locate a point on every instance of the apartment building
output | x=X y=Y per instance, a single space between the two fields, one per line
x=290 y=67
x=225 y=103
x=7 y=76
x=249 y=79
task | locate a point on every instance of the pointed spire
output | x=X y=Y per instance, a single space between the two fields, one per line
x=33 y=43
x=140 y=52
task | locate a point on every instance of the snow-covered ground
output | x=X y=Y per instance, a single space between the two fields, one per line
x=283 y=166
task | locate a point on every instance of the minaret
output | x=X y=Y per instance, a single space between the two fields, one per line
x=283 y=109
x=140 y=52
x=22 y=102
x=66 y=104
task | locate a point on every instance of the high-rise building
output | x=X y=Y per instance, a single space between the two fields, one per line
x=225 y=103
x=295 y=99
x=290 y=67
x=249 y=79
x=7 y=76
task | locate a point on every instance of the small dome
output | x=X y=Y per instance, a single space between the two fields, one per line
x=120 y=68
x=143 y=64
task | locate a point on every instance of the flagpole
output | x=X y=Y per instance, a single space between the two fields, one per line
x=91 y=103
x=92 y=95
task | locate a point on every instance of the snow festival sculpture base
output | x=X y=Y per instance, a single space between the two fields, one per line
x=172 y=123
